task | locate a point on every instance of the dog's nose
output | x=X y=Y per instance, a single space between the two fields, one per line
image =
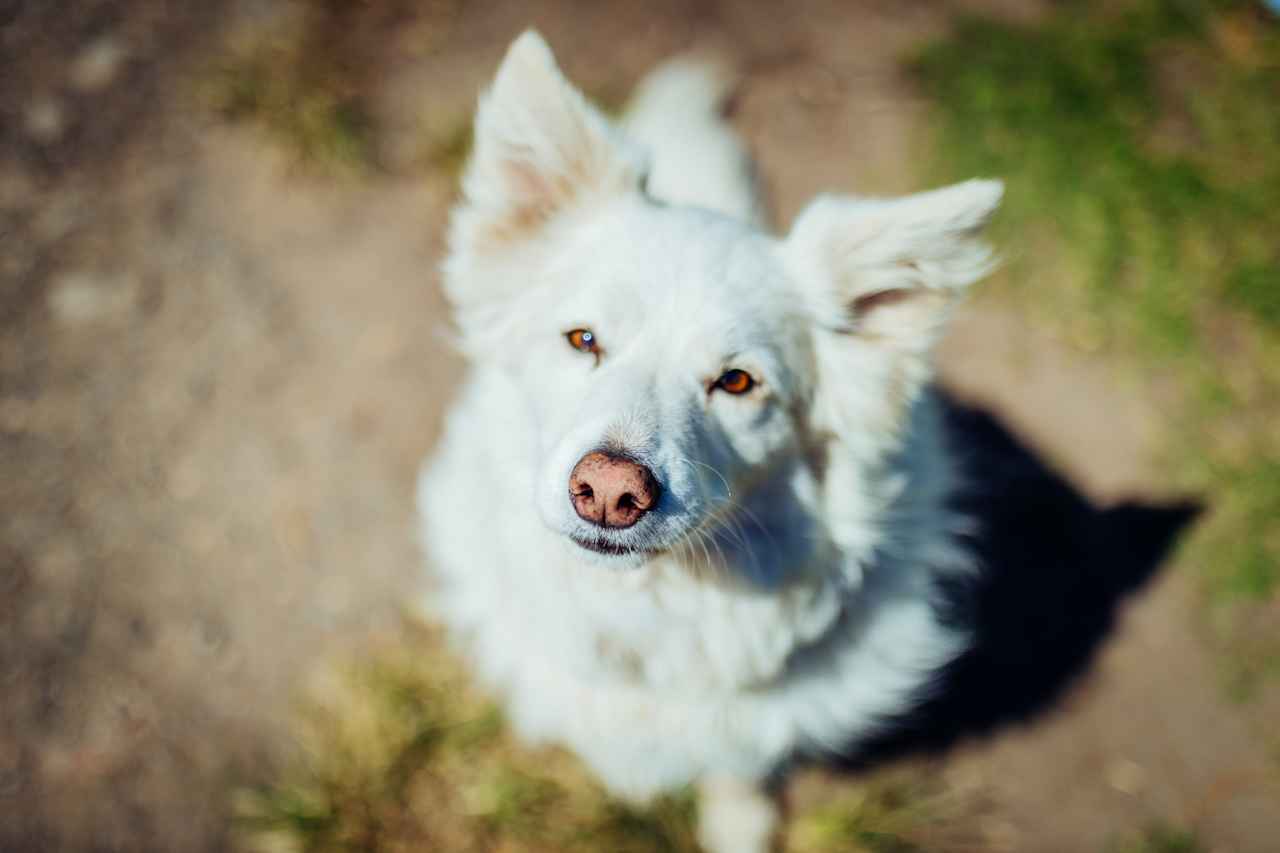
x=610 y=490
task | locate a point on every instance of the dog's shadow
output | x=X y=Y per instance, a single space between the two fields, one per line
x=1055 y=571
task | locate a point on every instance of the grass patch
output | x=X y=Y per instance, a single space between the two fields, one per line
x=309 y=77
x=1141 y=148
x=898 y=811
x=400 y=753
x=309 y=80
x=292 y=83
x=1160 y=839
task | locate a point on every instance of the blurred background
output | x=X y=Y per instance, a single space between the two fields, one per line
x=222 y=355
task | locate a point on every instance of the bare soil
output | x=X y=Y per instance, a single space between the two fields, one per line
x=219 y=368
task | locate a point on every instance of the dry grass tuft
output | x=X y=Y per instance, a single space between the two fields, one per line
x=400 y=752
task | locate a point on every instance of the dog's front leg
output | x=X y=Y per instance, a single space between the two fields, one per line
x=735 y=816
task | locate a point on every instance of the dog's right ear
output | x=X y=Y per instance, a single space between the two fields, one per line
x=540 y=150
x=889 y=270
x=880 y=277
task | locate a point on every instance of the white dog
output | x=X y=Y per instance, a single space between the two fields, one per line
x=691 y=510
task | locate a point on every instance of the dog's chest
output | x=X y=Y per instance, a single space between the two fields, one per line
x=672 y=632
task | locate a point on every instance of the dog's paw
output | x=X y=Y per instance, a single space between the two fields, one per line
x=735 y=816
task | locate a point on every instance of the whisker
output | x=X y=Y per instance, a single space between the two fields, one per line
x=733 y=526
x=728 y=490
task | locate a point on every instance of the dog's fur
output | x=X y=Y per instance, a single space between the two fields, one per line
x=781 y=596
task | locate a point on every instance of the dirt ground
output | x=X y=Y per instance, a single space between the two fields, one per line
x=219 y=369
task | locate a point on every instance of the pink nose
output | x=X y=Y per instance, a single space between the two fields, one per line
x=611 y=491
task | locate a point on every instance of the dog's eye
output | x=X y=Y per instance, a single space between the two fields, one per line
x=583 y=340
x=736 y=382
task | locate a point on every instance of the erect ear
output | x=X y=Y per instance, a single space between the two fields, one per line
x=889 y=270
x=540 y=149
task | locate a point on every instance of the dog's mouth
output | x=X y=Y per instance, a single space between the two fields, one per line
x=601 y=545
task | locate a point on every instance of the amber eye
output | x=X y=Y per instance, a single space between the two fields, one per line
x=583 y=340
x=736 y=382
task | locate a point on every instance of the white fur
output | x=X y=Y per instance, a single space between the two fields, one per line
x=733 y=815
x=777 y=598
x=697 y=159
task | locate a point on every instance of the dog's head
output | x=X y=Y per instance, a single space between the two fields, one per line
x=686 y=375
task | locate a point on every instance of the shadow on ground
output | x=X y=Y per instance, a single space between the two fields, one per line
x=1055 y=571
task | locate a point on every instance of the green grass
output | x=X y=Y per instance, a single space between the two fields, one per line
x=894 y=812
x=1160 y=838
x=1141 y=149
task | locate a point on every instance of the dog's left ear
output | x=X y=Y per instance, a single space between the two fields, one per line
x=888 y=271
x=540 y=150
